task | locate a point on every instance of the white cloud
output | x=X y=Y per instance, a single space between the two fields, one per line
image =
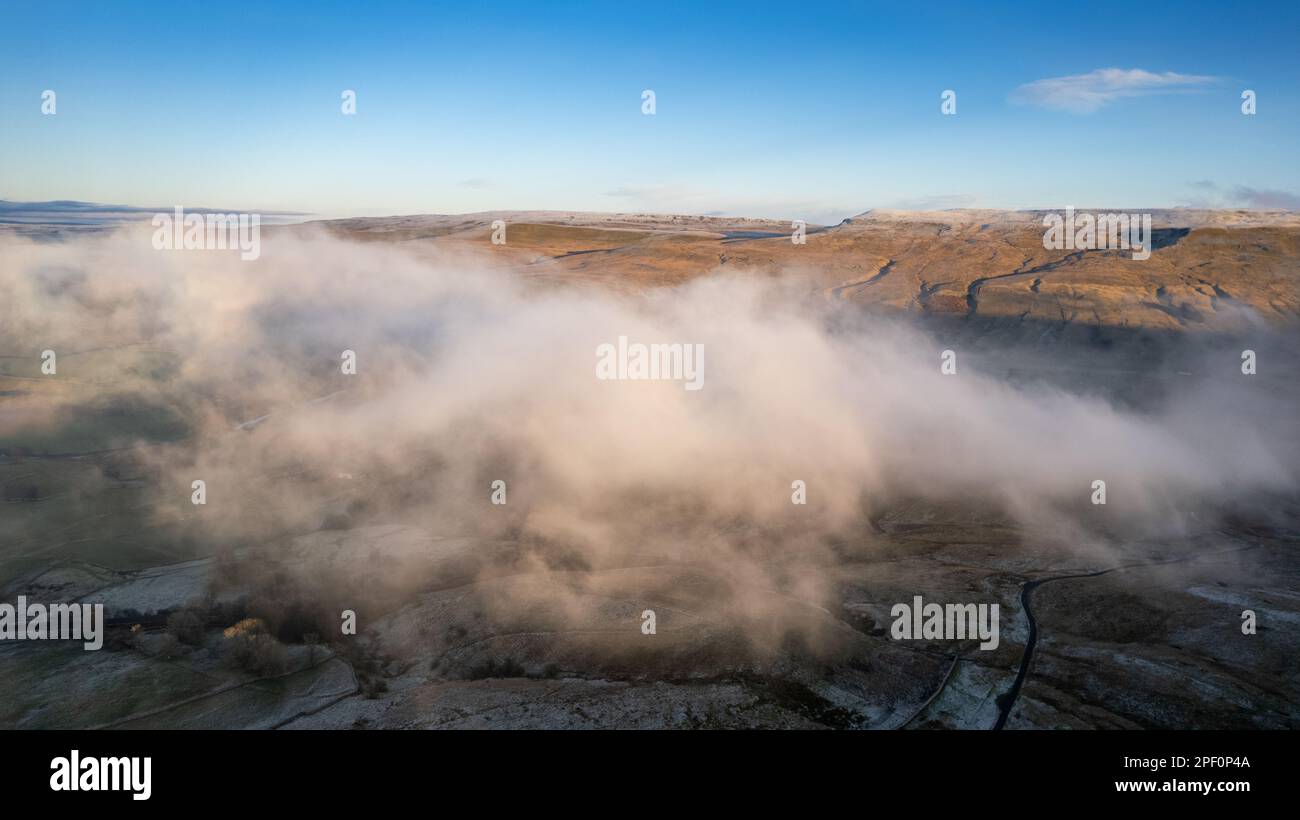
x=1085 y=93
x=659 y=193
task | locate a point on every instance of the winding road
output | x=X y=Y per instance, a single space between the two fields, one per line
x=1007 y=701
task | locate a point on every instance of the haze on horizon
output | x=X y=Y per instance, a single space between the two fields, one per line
x=816 y=117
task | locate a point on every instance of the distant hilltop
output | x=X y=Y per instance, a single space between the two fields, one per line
x=1161 y=217
x=1206 y=270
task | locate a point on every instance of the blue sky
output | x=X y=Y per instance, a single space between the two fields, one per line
x=815 y=111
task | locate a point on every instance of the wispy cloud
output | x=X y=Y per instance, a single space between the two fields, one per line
x=1085 y=93
x=1266 y=198
x=659 y=193
x=1213 y=195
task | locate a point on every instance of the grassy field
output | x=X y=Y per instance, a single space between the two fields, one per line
x=65 y=491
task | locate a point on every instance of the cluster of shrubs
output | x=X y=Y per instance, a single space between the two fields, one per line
x=509 y=668
x=279 y=612
x=249 y=646
x=186 y=625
